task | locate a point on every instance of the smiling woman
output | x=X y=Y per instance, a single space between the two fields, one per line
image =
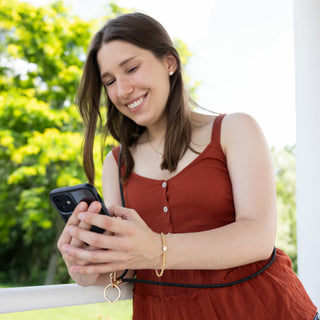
x=201 y=218
x=121 y=58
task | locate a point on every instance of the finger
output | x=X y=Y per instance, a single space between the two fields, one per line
x=71 y=260
x=99 y=268
x=94 y=207
x=98 y=240
x=65 y=237
x=71 y=257
x=110 y=224
x=96 y=268
x=92 y=256
x=82 y=206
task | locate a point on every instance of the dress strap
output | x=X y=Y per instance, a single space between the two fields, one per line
x=216 y=131
x=116 y=152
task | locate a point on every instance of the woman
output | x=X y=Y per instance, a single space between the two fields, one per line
x=199 y=191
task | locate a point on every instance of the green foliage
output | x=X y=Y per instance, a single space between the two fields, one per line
x=122 y=310
x=49 y=45
x=42 y=50
x=284 y=161
x=42 y=53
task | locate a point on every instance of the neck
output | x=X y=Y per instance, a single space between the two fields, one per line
x=156 y=134
x=157 y=143
x=156 y=131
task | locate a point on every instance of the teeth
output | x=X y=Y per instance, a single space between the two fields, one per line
x=135 y=104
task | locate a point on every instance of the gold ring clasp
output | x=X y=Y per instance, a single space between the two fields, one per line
x=113 y=284
x=106 y=294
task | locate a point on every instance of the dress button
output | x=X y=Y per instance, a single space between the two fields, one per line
x=164 y=184
x=165 y=209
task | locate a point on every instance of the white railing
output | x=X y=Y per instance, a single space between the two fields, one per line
x=54 y=296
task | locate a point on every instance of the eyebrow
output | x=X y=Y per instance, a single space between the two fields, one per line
x=121 y=64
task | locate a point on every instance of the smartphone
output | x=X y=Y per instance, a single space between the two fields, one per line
x=66 y=199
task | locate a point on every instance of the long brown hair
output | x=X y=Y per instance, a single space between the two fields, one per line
x=145 y=32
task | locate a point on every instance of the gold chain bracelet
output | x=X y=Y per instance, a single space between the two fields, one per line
x=164 y=249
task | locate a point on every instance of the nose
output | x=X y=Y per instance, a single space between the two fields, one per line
x=124 y=88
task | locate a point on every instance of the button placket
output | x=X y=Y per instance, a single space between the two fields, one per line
x=165 y=210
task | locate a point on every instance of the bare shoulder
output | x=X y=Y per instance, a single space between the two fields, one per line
x=236 y=121
x=202 y=123
x=240 y=129
x=202 y=120
x=201 y=130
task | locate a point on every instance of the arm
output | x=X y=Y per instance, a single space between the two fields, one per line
x=250 y=238
x=110 y=181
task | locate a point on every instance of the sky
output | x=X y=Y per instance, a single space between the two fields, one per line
x=243 y=54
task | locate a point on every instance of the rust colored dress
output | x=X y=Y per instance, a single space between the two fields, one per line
x=200 y=198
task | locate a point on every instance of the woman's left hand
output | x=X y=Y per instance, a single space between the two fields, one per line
x=132 y=244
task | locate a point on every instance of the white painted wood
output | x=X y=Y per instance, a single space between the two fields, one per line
x=53 y=296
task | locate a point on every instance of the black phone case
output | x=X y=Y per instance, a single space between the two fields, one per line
x=66 y=199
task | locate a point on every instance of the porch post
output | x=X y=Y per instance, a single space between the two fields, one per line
x=307 y=68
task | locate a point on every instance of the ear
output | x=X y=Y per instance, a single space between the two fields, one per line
x=171 y=63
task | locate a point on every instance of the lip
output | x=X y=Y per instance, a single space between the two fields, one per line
x=136 y=104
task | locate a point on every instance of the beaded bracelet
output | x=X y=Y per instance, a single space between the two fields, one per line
x=164 y=249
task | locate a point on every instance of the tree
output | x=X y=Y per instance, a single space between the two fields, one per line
x=42 y=50
x=284 y=161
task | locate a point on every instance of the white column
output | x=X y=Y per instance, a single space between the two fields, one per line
x=307 y=65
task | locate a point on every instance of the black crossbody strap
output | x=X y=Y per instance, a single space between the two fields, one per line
x=186 y=285
x=119 y=170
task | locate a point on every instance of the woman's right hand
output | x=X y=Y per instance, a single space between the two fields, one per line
x=66 y=239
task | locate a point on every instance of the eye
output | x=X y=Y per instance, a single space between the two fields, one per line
x=133 y=69
x=109 y=82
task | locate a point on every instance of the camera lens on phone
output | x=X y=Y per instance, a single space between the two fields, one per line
x=64 y=202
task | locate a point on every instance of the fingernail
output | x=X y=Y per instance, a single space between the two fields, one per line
x=94 y=206
x=70 y=229
x=74 y=269
x=81 y=216
x=82 y=206
x=65 y=248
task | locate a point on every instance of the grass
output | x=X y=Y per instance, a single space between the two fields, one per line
x=122 y=310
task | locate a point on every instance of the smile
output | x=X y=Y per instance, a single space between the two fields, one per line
x=135 y=103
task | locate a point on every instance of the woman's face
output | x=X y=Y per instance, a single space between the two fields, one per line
x=137 y=82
